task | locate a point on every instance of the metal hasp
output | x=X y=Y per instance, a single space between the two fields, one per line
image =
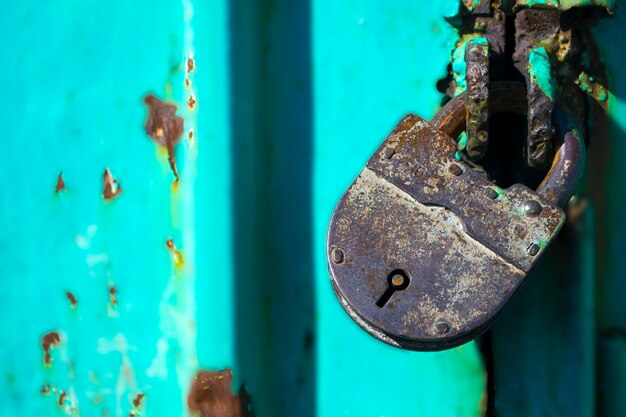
x=423 y=251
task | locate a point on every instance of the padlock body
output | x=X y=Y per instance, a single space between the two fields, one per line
x=464 y=244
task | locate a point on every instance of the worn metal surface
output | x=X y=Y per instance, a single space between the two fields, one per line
x=533 y=27
x=541 y=95
x=477 y=97
x=569 y=162
x=422 y=208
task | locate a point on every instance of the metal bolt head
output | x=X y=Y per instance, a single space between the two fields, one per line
x=455 y=170
x=442 y=327
x=397 y=280
x=338 y=255
x=532 y=207
x=533 y=249
x=491 y=193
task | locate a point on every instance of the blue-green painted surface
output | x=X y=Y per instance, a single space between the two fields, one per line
x=73 y=81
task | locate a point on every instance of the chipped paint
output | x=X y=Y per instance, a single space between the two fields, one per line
x=177 y=256
x=138 y=404
x=211 y=394
x=593 y=88
x=60 y=186
x=48 y=341
x=164 y=127
x=72 y=299
x=112 y=187
x=191 y=102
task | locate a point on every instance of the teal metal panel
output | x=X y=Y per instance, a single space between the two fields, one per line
x=543 y=342
x=374 y=62
x=608 y=188
x=271 y=117
x=74 y=78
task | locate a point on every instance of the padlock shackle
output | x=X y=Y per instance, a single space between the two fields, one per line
x=510 y=97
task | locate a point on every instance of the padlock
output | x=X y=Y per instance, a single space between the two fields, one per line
x=424 y=252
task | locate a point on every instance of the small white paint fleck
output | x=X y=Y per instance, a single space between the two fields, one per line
x=94 y=259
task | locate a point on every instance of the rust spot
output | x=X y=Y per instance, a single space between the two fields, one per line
x=137 y=403
x=187 y=82
x=62 y=398
x=211 y=395
x=112 y=295
x=191 y=103
x=45 y=389
x=47 y=342
x=191 y=136
x=191 y=64
x=112 y=187
x=164 y=127
x=72 y=299
x=177 y=255
x=138 y=400
x=60 y=183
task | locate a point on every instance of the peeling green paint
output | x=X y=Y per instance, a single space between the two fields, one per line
x=539 y=71
x=590 y=86
x=538 y=3
x=608 y=5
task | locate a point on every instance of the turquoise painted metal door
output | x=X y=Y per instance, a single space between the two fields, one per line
x=112 y=305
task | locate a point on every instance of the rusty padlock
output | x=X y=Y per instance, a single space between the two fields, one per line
x=424 y=252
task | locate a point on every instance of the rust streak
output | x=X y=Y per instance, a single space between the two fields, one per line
x=47 y=342
x=164 y=127
x=62 y=398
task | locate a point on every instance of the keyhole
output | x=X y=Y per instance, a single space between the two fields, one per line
x=397 y=280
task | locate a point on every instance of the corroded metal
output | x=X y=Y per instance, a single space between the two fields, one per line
x=541 y=96
x=478 y=7
x=111 y=187
x=533 y=27
x=164 y=126
x=605 y=6
x=461 y=244
x=477 y=97
x=569 y=161
x=211 y=395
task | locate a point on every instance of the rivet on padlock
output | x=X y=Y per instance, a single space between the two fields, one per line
x=423 y=251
